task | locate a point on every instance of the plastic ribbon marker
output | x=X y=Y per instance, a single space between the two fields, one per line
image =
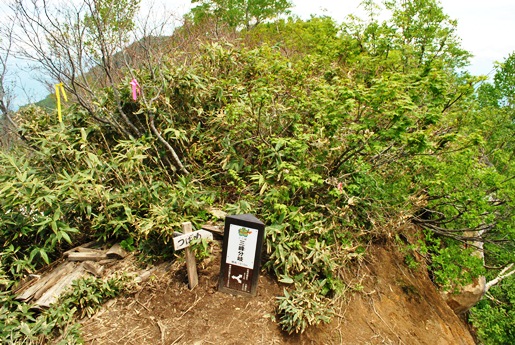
x=135 y=89
x=59 y=88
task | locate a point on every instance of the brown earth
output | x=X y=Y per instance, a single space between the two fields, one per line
x=390 y=304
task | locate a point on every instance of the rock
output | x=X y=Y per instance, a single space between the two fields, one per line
x=467 y=297
x=470 y=294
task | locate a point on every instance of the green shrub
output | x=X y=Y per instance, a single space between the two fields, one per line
x=494 y=316
x=302 y=307
x=22 y=325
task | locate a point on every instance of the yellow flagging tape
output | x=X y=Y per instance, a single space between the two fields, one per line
x=59 y=88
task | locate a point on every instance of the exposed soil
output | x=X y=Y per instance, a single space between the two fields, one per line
x=394 y=306
x=399 y=306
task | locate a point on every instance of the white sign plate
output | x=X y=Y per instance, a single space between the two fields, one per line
x=183 y=241
x=241 y=248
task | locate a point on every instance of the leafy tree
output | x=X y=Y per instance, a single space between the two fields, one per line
x=427 y=34
x=504 y=82
x=83 y=46
x=494 y=317
x=239 y=13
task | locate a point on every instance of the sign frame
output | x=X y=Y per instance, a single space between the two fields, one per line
x=241 y=255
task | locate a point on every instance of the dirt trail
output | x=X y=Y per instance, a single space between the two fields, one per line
x=395 y=306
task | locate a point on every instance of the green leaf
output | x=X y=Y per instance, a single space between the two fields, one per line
x=286 y=280
x=44 y=255
x=66 y=237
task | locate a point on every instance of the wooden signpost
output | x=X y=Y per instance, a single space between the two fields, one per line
x=241 y=255
x=184 y=241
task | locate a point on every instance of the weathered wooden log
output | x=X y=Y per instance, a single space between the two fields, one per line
x=215 y=229
x=58 y=287
x=29 y=292
x=87 y=256
x=25 y=283
x=84 y=246
x=116 y=252
x=93 y=268
x=54 y=278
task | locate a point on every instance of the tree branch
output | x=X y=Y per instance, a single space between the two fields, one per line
x=167 y=145
x=501 y=276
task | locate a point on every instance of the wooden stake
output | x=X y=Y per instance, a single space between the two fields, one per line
x=191 y=263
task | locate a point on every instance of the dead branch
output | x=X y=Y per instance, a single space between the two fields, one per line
x=501 y=276
x=168 y=146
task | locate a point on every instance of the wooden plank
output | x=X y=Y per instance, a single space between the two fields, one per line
x=76 y=249
x=25 y=283
x=184 y=240
x=52 y=294
x=28 y=293
x=191 y=263
x=89 y=250
x=214 y=229
x=93 y=268
x=87 y=256
x=116 y=252
x=31 y=279
x=54 y=278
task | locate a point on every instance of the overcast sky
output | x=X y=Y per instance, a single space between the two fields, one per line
x=486 y=27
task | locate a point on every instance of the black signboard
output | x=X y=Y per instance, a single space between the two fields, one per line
x=241 y=254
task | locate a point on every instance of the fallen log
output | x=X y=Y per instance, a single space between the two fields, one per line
x=87 y=256
x=26 y=293
x=52 y=294
x=85 y=246
x=116 y=252
x=93 y=268
x=218 y=230
x=54 y=278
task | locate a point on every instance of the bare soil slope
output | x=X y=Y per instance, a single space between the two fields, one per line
x=395 y=306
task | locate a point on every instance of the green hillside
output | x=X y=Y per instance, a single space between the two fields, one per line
x=334 y=135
